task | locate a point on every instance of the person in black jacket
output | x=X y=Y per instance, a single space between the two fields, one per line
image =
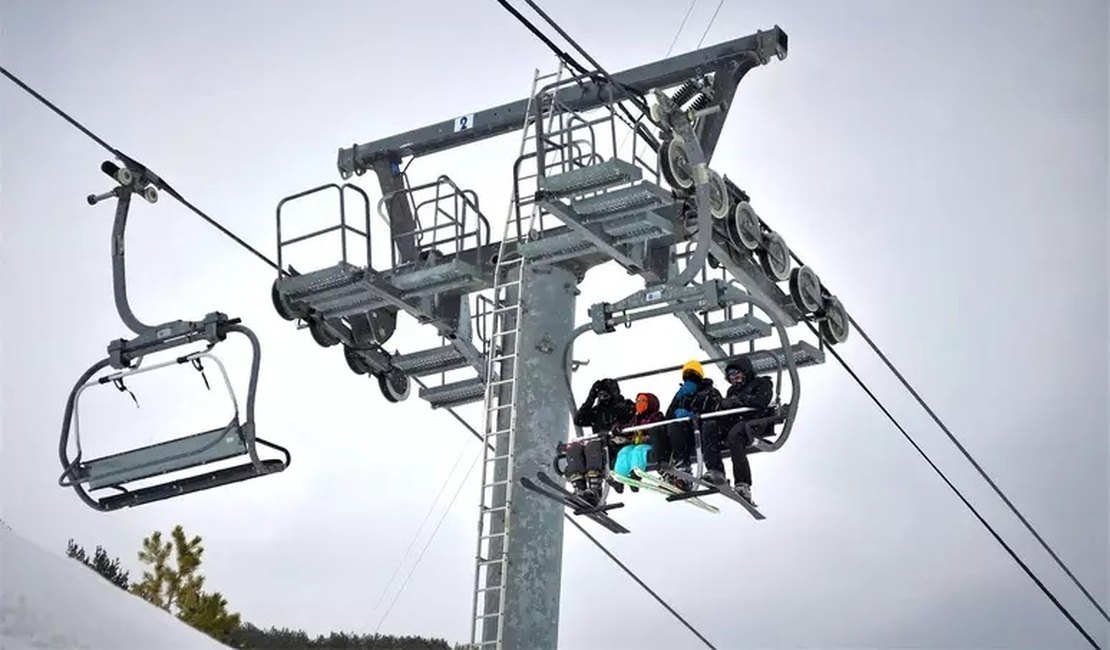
x=604 y=410
x=672 y=445
x=745 y=389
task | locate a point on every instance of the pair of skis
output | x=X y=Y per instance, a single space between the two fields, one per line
x=650 y=483
x=714 y=488
x=556 y=491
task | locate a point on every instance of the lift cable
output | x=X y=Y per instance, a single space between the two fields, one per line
x=979 y=468
x=632 y=94
x=674 y=41
x=163 y=185
x=959 y=494
x=711 y=21
x=565 y=56
x=242 y=243
x=420 y=528
x=967 y=455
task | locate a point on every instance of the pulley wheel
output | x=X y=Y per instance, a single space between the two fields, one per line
x=674 y=162
x=281 y=306
x=355 y=361
x=321 y=334
x=805 y=290
x=718 y=196
x=656 y=113
x=746 y=225
x=834 y=326
x=394 y=384
x=774 y=257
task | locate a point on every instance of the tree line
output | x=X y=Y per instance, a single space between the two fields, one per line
x=173 y=582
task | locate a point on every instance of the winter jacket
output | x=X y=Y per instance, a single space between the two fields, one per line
x=601 y=415
x=695 y=396
x=755 y=392
x=652 y=414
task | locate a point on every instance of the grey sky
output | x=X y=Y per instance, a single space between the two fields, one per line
x=942 y=165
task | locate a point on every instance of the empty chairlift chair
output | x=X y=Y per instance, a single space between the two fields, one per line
x=195 y=451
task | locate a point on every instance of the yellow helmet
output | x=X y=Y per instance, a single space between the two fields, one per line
x=693 y=366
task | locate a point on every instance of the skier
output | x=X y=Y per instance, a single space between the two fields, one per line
x=604 y=410
x=671 y=445
x=633 y=451
x=745 y=389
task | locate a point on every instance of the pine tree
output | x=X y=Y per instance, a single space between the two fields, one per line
x=110 y=569
x=179 y=588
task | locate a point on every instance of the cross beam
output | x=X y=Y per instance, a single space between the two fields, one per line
x=730 y=60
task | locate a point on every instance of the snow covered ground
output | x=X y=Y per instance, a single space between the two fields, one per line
x=48 y=601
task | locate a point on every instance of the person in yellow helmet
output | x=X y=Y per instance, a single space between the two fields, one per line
x=673 y=445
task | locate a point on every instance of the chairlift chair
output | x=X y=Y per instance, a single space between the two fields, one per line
x=120 y=471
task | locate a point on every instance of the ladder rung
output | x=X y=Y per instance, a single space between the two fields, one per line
x=506 y=308
x=498 y=432
x=504 y=358
x=493 y=535
x=499 y=407
x=488 y=561
x=501 y=381
x=495 y=484
x=494 y=588
x=487 y=509
x=482 y=616
x=496 y=458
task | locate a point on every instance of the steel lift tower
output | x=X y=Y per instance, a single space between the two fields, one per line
x=503 y=306
x=502 y=299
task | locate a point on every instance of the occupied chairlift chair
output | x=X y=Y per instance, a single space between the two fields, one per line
x=234 y=439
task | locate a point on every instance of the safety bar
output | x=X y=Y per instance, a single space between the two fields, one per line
x=119 y=376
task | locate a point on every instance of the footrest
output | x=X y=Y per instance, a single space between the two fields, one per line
x=745 y=328
x=333 y=277
x=189 y=485
x=447 y=276
x=430 y=362
x=629 y=200
x=455 y=394
x=805 y=354
x=590 y=178
x=162 y=458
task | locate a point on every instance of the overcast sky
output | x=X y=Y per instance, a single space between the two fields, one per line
x=942 y=165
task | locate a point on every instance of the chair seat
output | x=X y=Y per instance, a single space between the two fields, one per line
x=162 y=458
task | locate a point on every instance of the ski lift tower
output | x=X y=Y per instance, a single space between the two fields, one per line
x=502 y=298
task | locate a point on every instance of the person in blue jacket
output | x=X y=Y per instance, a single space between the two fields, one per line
x=673 y=444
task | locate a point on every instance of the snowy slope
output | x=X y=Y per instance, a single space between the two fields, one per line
x=48 y=601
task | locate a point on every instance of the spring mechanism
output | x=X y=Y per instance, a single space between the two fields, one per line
x=701 y=102
x=683 y=94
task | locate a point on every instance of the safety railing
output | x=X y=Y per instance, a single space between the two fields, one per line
x=342 y=227
x=446 y=218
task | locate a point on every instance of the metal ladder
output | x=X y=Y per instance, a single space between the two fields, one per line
x=498 y=440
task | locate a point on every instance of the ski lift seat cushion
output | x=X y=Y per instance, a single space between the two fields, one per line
x=173 y=455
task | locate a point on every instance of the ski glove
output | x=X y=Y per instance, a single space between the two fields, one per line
x=682 y=413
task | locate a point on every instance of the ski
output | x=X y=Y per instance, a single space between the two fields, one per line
x=648 y=482
x=568 y=499
x=724 y=489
